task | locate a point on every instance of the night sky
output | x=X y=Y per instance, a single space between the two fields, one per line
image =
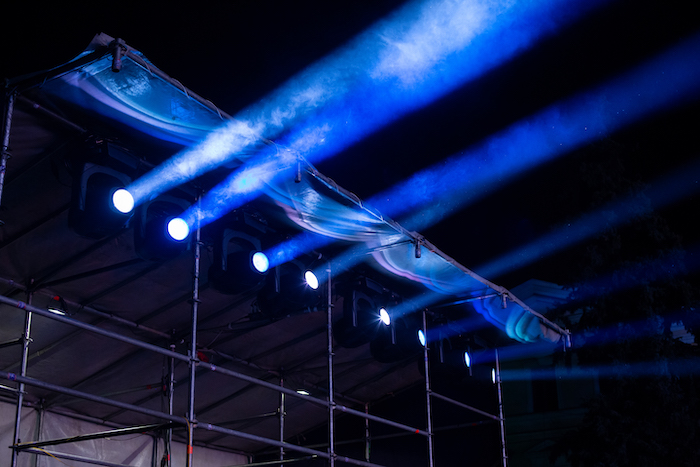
x=235 y=53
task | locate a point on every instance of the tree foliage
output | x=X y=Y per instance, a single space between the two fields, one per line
x=627 y=290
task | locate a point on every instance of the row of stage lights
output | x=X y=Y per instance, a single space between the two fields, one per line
x=392 y=335
x=102 y=206
x=178 y=230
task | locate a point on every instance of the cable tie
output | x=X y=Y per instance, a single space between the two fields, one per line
x=12 y=377
x=22 y=305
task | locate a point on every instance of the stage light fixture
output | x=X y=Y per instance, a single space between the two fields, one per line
x=384 y=316
x=363 y=300
x=396 y=341
x=467 y=359
x=178 y=229
x=57 y=306
x=100 y=206
x=311 y=279
x=291 y=289
x=159 y=231
x=421 y=337
x=93 y=212
x=260 y=262
x=366 y=312
x=239 y=265
x=123 y=201
x=450 y=357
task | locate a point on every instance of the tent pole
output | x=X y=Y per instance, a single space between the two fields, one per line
x=23 y=372
x=502 y=420
x=191 y=422
x=331 y=399
x=9 y=109
x=428 y=392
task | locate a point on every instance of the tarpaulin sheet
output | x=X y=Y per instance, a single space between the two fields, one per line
x=142 y=97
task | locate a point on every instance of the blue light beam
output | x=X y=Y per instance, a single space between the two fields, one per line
x=432 y=194
x=674 y=187
x=667 y=81
x=661 y=368
x=413 y=56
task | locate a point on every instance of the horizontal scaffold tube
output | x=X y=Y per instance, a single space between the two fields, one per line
x=154 y=413
x=464 y=406
x=178 y=356
x=72 y=457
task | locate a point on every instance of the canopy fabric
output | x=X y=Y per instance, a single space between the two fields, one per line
x=145 y=99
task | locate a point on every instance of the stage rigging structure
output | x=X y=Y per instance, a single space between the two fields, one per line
x=112 y=82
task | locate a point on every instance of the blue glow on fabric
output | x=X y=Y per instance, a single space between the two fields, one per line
x=669 y=80
x=678 y=185
x=419 y=53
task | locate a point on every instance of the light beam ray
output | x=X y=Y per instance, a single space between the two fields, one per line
x=670 y=80
x=680 y=184
x=412 y=57
x=665 y=368
x=673 y=264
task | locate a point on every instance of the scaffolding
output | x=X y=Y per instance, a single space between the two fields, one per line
x=170 y=421
x=191 y=422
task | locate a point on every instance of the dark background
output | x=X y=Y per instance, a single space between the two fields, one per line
x=234 y=53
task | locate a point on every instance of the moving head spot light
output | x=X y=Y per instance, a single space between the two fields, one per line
x=100 y=206
x=366 y=309
x=239 y=263
x=291 y=288
x=159 y=232
x=93 y=213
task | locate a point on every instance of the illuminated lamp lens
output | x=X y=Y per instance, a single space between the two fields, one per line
x=421 y=337
x=260 y=262
x=311 y=279
x=384 y=316
x=178 y=229
x=123 y=201
x=467 y=359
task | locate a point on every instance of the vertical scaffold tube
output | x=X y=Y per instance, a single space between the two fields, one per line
x=282 y=410
x=193 y=344
x=367 y=434
x=23 y=372
x=171 y=398
x=9 y=109
x=331 y=399
x=429 y=413
x=502 y=420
